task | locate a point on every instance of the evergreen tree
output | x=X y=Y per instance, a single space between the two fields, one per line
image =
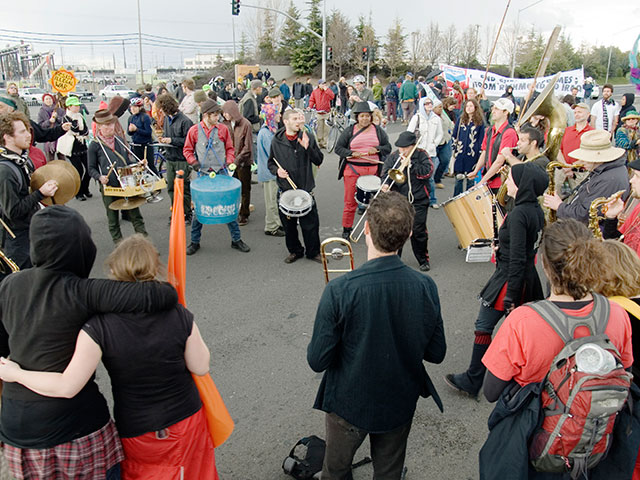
x=291 y=35
x=266 y=46
x=309 y=54
x=395 y=48
x=365 y=37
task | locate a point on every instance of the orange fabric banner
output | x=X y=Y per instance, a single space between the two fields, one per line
x=218 y=417
x=177 y=262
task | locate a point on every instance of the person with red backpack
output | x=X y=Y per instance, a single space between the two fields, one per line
x=559 y=370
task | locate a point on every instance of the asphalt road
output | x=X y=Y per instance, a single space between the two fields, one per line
x=256 y=314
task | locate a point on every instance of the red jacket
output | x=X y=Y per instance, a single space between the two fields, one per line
x=192 y=138
x=321 y=99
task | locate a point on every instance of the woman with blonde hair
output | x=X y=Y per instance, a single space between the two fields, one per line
x=150 y=359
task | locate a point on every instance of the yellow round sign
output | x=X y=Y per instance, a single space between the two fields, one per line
x=63 y=81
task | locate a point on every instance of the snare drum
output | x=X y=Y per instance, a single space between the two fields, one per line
x=366 y=187
x=471 y=216
x=295 y=203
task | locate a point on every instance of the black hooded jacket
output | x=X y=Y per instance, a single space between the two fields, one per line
x=628 y=105
x=42 y=310
x=295 y=159
x=519 y=237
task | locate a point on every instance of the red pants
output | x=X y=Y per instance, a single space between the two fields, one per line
x=350 y=179
x=182 y=451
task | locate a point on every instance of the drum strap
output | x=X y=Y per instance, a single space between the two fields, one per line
x=353 y=169
x=211 y=147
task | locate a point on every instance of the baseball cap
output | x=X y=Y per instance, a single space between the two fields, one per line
x=504 y=104
x=582 y=105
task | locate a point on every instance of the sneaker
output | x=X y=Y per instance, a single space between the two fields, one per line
x=82 y=198
x=193 y=248
x=292 y=258
x=88 y=195
x=242 y=221
x=317 y=259
x=425 y=267
x=252 y=207
x=439 y=185
x=240 y=245
x=435 y=206
x=346 y=232
x=279 y=232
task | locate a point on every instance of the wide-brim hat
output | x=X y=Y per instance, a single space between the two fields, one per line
x=102 y=117
x=595 y=147
x=631 y=114
x=406 y=139
x=361 y=107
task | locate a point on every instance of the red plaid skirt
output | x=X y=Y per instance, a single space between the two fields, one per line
x=86 y=458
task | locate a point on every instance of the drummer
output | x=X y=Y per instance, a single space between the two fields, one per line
x=362 y=149
x=209 y=148
x=107 y=154
x=418 y=173
x=295 y=151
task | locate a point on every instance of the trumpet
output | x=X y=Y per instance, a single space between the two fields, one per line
x=336 y=253
x=597 y=210
x=397 y=175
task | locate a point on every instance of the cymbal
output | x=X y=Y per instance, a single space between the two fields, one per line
x=66 y=176
x=127 y=203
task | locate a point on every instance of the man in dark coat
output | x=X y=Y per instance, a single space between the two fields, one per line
x=373 y=329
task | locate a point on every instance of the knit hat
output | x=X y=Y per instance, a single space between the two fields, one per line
x=72 y=100
x=48 y=95
x=406 y=139
x=274 y=92
x=118 y=105
x=102 y=117
x=199 y=96
x=9 y=102
x=255 y=84
x=209 y=106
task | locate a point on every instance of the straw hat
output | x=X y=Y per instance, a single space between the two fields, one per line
x=595 y=147
x=631 y=114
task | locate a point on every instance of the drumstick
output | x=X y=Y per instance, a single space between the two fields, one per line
x=293 y=185
x=366 y=159
x=6 y=227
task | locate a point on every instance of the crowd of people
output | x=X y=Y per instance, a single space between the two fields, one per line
x=54 y=423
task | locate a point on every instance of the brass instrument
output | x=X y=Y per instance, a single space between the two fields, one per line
x=336 y=253
x=7 y=265
x=551 y=215
x=397 y=175
x=597 y=211
x=547 y=105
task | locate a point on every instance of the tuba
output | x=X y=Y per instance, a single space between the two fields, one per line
x=547 y=105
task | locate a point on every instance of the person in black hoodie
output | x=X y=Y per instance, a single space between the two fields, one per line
x=57 y=298
x=415 y=189
x=515 y=280
x=295 y=151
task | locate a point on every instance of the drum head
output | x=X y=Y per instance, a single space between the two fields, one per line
x=369 y=183
x=296 y=202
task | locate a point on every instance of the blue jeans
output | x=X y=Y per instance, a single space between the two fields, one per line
x=432 y=183
x=196 y=230
x=444 y=155
x=459 y=186
x=487 y=320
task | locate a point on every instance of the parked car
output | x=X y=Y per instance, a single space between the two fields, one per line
x=83 y=95
x=111 y=91
x=595 y=93
x=32 y=95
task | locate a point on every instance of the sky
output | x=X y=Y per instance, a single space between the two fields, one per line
x=582 y=21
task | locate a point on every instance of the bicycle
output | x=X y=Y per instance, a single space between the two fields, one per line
x=337 y=122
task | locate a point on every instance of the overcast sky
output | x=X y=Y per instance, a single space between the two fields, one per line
x=615 y=22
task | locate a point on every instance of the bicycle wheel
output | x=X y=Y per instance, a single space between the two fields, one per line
x=332 y=138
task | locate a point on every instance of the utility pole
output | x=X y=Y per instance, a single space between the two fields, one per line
x=233 y=30
x=124 y=55
x=324 y=39
x=140 y=44
x=62 y=56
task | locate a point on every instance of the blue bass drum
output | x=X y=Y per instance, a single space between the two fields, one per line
x=217 y=200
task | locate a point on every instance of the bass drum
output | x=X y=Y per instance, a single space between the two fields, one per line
x=471 y=216
x=217 y=199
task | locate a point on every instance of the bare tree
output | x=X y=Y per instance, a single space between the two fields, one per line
x=395 y=49
x=433 y=44
x=450 y=45
x=469 y=46
x=340 y=38
x=255 y=27
x=417 y=49
x=489 y=37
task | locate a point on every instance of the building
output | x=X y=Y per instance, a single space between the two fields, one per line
x=21 y=64
x=206 y=60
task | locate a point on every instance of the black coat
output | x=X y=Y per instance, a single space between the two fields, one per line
x=343 y=148
x=17 y=205
x=420 y=172
x=176 y=128
x=100 y=164
x=295 y=159
x=41 y=135
x=519 y=237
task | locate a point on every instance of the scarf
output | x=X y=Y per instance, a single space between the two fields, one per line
x=605 y=114
x=109 y=142
x=22 y=160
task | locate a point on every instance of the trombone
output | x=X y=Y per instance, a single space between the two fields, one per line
x=398 y=175
x=336 y=253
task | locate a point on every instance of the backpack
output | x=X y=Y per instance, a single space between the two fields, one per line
x=310 y=466
x=579 y=408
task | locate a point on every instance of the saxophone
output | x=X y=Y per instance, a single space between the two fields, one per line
x=597 y=211
x=551 y=215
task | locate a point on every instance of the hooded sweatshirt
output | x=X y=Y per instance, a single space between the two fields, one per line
x=518 y=238
x=241 y=134
x=628 y=105
x=42 y=310
x=427 y=127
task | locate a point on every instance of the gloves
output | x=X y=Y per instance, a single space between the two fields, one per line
x=196 y=166
x=509 y=305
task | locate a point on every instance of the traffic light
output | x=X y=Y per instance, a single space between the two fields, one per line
x=329 y=53
x=365 y=54
x=235 y=7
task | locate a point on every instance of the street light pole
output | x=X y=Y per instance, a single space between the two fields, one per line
x=140 y=44
x=324 y=39
x=515 y=47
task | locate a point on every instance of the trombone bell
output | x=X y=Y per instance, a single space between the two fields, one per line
x=397 y=175
x=336 y=253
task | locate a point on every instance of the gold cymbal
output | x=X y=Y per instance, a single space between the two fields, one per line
x=62 y=172
x=127 y=203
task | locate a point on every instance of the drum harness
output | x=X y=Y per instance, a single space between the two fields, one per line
x=209 y=147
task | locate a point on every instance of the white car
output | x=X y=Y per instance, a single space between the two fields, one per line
x=110 y=91
x=32 y=95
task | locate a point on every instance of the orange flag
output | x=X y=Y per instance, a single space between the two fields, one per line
x=177 y=262
x=218 y=418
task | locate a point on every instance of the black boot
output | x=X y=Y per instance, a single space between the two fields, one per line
x=470 y=381
x=346 y=232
